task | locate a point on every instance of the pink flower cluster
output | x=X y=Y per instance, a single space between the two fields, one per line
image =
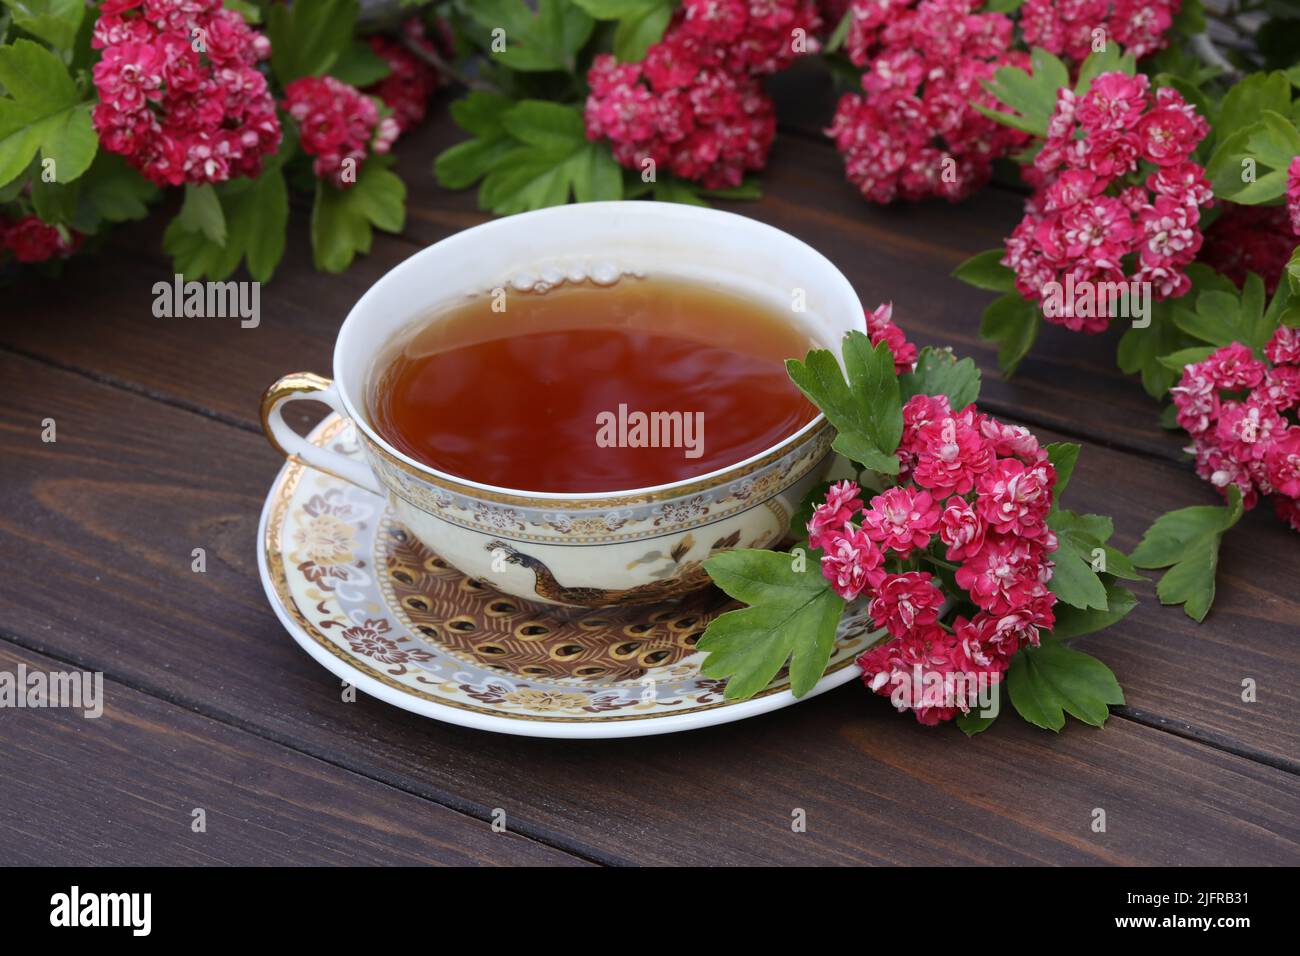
x=1293 y=194
x=694 y=105
x=32 y=240
x=1073 y=28
x=339 y=125
x=1240 y=412
x=1245 y=239
x=1116 y=178
x=881 y=328
x=916 y=133
x=406 y=90
x=974 y=493
x=179 y=93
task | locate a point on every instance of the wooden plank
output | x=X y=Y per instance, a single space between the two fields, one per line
x=114 y=508
x=122 y=788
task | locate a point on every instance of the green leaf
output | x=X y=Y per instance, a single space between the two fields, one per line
x=1012 y=322
x=255 y=213
x=841 y=31
x=1031 y=96
x=672 y=189
x=54 y=21
x=307 y=39
x=793 y=616
x=1221 y=318
x=938 y=372
x=342 y=219
x=635 y=34
x=111 y=191
x=639 y=23
x=549 y=126
x=466 y=163
x=866 y=410
x=1246 y=102
x=247 y=9
x=985 y=270
x=1074 y=622
x=1111 y=59
x=529 y=154
x=548 y=41
x=1250 y=166
x=201 y=212
x=1049 y=681
x=1063 y=455
x=1140 y=349
x=360 y=66
x=1187 y=542
x=1084 y=561
x=41 y=112
x=667 y=189
x=972 y=723
x=1177 y=361
x=1073 y=579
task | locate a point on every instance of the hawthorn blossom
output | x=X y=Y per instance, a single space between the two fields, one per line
x=694 y=105
x=1072 y=28
x=916 y=132
x=1293 y=194
x=410 y=82
x=881 y=328
x=339 y=125
x=1092 y=215
x=180 y=96
x=851 y=562
x=905 y=602
x=1240 y=413
x=32 y=240
x=969 y=507
x=900 y=519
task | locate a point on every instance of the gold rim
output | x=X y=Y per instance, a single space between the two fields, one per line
x=282 y=494
x=287 y=386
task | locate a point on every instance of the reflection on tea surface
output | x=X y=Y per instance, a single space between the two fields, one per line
x=587 y=389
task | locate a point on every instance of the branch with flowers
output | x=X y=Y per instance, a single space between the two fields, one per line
x=614 y=99
x=104 y=106
x=1168 y=203
x=952 y=541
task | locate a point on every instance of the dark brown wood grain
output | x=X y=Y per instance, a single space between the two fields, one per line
x=132 y=485
x=122 y=788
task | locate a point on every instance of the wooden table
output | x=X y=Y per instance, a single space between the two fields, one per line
x=211 y=705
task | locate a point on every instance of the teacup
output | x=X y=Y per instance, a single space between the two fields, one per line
x=629 y=546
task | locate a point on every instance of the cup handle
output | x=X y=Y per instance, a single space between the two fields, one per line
x=298 y=386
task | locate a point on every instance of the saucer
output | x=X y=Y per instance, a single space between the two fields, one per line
x=372 y=605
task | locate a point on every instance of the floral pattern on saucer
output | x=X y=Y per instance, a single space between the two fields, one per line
x=349 y=580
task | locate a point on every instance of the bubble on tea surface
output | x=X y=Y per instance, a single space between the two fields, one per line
x=564 y=272
x=605 y=273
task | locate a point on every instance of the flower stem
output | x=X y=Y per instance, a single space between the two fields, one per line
x=435 y=60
